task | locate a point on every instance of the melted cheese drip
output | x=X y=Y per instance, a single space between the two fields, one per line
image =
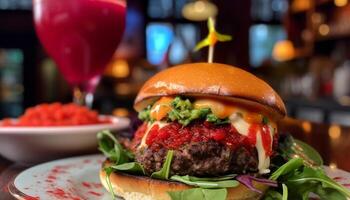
x=264 y=161
x=149 y=127
x=242 y=128
x=240 y=125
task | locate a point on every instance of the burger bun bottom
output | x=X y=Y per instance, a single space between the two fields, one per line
x=131 y=187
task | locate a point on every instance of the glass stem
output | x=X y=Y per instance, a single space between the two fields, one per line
x=82 y=98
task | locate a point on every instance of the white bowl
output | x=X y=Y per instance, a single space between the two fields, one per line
x=30 y=145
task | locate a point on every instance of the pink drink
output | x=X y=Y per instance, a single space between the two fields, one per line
x=80 y=35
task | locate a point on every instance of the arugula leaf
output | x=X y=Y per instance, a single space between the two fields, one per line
x=131 y=167
x=287 y=168
x=328 y=194
x=285 y=192
x=109 y=171
x=272 y=195
x=119 y=156
x=199 y=194
x=308 y=153
x=205 y=184
x=290 y=148
x=106 y=144
x=112 y=149
x=308 y=174
x=165 y=171
x=300 y=177
x=219 y=178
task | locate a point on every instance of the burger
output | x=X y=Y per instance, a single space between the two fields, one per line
x=208 y=132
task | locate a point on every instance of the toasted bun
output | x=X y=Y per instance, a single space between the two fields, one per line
x=132 y=187
x=211 y=80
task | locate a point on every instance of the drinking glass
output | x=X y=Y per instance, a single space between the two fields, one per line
x=81 y=36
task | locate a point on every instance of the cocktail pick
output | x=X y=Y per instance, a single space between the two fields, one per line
x=212 y=38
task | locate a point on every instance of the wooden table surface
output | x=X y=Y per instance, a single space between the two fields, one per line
x=331 y=141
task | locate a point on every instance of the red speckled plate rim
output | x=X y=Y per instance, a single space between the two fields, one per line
x=21 y=195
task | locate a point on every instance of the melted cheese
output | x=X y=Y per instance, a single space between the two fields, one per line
x=240 y=125
x=264 y=161
x=242 y=128
x=149 y=127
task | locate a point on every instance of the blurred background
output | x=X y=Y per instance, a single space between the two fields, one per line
x=300 y=47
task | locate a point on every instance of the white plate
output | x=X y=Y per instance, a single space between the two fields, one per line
x=67 y=179
x=38 y=144
x=77 y=177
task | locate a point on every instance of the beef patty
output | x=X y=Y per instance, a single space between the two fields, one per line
x=208 y=158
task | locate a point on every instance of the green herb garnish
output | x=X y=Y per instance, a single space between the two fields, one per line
x=145 y=115
x=217 y=121
x=183 y=111
x=265 y=120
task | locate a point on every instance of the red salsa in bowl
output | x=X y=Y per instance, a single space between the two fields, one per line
x=56 y=114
